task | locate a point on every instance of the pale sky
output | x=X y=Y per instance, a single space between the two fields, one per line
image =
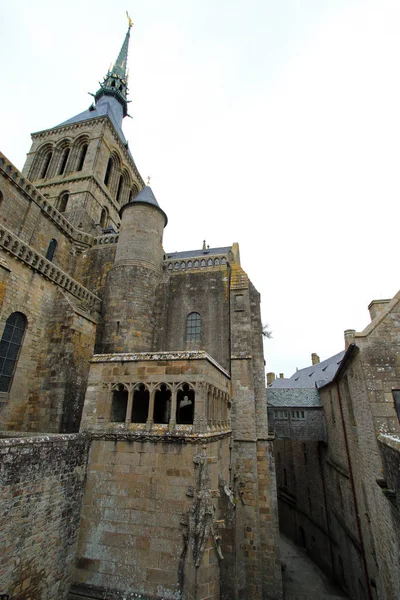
x=270 y=123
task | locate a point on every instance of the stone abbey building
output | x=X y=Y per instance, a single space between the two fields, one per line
x=135 y=456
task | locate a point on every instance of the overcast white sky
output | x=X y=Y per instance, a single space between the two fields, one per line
x=273 y=124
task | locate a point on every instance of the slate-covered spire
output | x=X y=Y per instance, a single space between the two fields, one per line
x=115 y=82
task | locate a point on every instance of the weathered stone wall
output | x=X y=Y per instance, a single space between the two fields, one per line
x=42 y=481
x=309 y=428
x=205 y=292
x=149 y=515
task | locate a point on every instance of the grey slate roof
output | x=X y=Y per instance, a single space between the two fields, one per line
x=301 y=397
x=105 y=106
x=311 y=376
x=146 y=195
x=199 y=253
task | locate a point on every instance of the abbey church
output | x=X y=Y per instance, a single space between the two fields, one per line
x=135 y=455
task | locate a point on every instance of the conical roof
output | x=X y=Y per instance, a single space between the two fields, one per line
x=146 y=196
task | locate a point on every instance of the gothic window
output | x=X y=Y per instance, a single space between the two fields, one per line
x=170 y=267
x=64 y=158
x=46 y=164
x=51 y=249
x=108 y=171
x=203 y=263
x=176 y=266
x=193 y=327
x=183 y=266
x=104 y=218
x=196 y=263
x=223 y=261
x=10 y=347
x=189 y=265
x=162 y=405
x=216 y=263
x=119 y=405
x=140 y=407
x=209 y=262
x=185 y=405
x=1 y=197
x=62 y=202
x=82 y=157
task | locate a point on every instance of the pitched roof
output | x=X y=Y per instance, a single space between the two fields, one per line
x=305 y=397
x=311 y=376
x=107 y=106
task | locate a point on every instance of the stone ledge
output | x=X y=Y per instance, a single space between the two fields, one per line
x=167 y=437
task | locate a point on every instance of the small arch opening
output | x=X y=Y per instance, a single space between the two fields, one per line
x=107 y=176
x=104 y=217
x=46 y=164
x=185 y=406
x=119 y=190
x=62 y=202
x=162 y=405
x=64 y=159
x=52 y=247
x=82 y=157
x=140 y=407
x=119 y=405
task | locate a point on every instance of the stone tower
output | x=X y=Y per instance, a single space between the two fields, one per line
x=133 y=280
x=84 y=166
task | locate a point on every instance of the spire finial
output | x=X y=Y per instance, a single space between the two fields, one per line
x=148 y=180
x=129 y=20
x=115 y=82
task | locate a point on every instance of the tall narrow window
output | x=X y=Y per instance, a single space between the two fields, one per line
x=10 y=347
x=82 y=157
x=108 y=171
x=51 y=249
x=162 y=405
x=120 y=185
x=185 y=405
x=104 y=218
x=62 y=202
x=46 y=165
x=193 y=327
x=140 y=406
x=64 y=159
x=119 y=404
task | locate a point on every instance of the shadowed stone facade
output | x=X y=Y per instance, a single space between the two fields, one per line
x=155 y=358
x=339 y=496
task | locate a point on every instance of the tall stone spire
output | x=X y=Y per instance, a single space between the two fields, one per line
x=115 y=82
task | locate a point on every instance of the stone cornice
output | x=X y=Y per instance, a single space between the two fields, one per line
x=167 y=437
x=37 y=262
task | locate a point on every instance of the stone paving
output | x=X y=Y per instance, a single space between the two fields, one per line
x=302 y=579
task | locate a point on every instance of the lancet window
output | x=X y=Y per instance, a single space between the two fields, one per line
x=10 y=347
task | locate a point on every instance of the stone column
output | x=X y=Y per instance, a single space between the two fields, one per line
x=150 y=414
x=172 y=419
x=128 y=416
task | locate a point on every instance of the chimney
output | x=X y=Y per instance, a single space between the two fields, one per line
x=349 y=337
x=376 y=306
x=270 y=378
x=281 y=376
x=315 y=359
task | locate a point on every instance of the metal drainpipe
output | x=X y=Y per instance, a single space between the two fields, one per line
x=346 y=443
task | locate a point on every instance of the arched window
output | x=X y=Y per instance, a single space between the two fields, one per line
x=104 y=218
x=140 y=407
x=203 y=263
x=193 y=327
x=108 y=171
x=119 y=405
x=120 y=186
x=10 y=347
x=82 y=157
x=1 y=197
x=185 y=405
x=62 y=202
x=209 y=262
x=162 y=405
x=64 y=159
x=216 y=262
x=46 y=164
x=51 y=249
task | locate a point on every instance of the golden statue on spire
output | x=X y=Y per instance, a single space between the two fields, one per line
x=129 y=20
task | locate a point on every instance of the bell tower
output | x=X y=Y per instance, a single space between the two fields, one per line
x=84 y=166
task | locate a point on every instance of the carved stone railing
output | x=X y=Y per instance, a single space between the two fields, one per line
x=105 y=240
x=23 y=252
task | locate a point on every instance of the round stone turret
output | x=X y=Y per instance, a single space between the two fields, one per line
x=132 y=282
